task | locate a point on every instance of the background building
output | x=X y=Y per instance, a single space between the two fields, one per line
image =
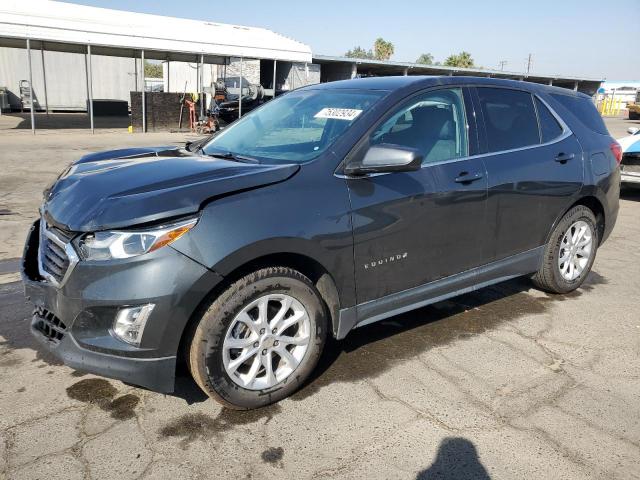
x=73 y=55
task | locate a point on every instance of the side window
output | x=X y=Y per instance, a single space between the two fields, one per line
x=434 y=123
x=584 y=110
x=549 y=126
x=509 y=118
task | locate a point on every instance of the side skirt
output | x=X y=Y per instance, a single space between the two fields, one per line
x=438 y=290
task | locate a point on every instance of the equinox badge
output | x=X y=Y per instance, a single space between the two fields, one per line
x=382 y=261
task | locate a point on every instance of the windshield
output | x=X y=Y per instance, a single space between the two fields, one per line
x=295 y=127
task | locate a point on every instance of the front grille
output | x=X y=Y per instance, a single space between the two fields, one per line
x=54 y=259
x=45 y=322
x=54 y=256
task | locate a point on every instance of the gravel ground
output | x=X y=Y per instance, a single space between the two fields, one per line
x=507 y=382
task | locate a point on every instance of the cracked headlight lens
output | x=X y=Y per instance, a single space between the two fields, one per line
x=130 y=243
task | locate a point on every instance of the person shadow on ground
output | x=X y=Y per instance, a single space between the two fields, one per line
x=457 y=459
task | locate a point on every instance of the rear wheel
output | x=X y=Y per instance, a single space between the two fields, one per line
x=634 y=116
x=570 y=253
x=258 y=341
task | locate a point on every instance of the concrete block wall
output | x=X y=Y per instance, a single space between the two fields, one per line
x=250 y=70
x=162 y=111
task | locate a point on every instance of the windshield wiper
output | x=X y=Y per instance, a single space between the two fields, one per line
x=232 y=156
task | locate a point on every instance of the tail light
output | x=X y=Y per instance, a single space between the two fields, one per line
x=616 y=149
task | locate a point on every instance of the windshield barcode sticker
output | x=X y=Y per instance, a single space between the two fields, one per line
x=338 y=113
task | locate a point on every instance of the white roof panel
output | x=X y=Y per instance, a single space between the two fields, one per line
x=70 y=23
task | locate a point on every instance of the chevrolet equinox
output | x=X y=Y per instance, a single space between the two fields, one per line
x=326 y=209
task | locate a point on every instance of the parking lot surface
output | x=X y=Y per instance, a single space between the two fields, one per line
x=503 y=383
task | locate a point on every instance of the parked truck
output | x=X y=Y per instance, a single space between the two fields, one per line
x=634 y=108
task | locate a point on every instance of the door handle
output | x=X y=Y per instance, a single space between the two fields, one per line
x=564 y=157
x=466 y=177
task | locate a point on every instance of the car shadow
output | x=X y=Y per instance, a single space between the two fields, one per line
x=457 y=459
x=630 y=193
x=55 y=121
x=369 y=351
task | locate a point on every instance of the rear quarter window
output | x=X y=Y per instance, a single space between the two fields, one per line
x=584 y=110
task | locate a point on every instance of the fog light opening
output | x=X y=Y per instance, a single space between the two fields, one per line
x=129 y=323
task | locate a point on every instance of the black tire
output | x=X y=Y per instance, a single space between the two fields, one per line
x=548 y=277
x=206 y=352
x=634 y=116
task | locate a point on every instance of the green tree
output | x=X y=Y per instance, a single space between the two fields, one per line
x=425 y=59
x=462 y=60
x=359 y=52
x=383 y=49
x=152 y=70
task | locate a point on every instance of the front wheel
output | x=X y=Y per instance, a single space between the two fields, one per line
x=570 y=252
x=260 y=339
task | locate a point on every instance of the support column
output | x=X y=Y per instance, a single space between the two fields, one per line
x=44 y=80
x=240 y=95
x=144 y=103
x=354 y=70
x=90 y=87
x=550 y=82
x=33 y=119
x=135 y=72
x=168 y=76
x=575 y=86
x=274 y=78
x=405 y=72
x=201 y=86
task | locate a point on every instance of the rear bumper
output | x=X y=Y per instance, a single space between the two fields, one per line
x=629 y=177
x=74 y=321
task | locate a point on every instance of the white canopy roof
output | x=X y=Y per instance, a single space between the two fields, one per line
x=51 y=21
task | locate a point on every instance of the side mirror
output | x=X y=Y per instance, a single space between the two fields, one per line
x=632 y=130
x=385 y=158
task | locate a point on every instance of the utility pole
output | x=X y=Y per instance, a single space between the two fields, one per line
x=529 y=64
x=502 y=63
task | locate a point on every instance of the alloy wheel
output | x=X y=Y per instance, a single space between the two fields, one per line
x=575 y=250
x=266 y=341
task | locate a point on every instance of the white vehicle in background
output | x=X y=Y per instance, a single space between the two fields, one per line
x=630 y=165
x=634 y=136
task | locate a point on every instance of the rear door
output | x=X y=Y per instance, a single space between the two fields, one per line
x=414 y=227
x=534 y=166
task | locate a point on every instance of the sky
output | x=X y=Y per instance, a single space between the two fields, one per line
x=565 y=37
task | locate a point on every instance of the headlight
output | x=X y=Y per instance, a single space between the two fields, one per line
x=130 y=243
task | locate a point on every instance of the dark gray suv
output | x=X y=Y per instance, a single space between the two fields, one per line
x=329 y=208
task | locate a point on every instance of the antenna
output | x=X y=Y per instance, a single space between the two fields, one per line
x=502 y=63
x=529 y=62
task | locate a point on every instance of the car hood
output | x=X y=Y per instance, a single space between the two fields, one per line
x=632 y=147
x=121 y=188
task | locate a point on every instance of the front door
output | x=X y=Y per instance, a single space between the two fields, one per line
x=411 y=228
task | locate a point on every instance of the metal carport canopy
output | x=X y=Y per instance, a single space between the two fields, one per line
x=65 y=23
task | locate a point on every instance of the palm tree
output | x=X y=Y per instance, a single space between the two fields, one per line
x=425 y=59
x=462 y=60
x=359 y=52
x=383 y=49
